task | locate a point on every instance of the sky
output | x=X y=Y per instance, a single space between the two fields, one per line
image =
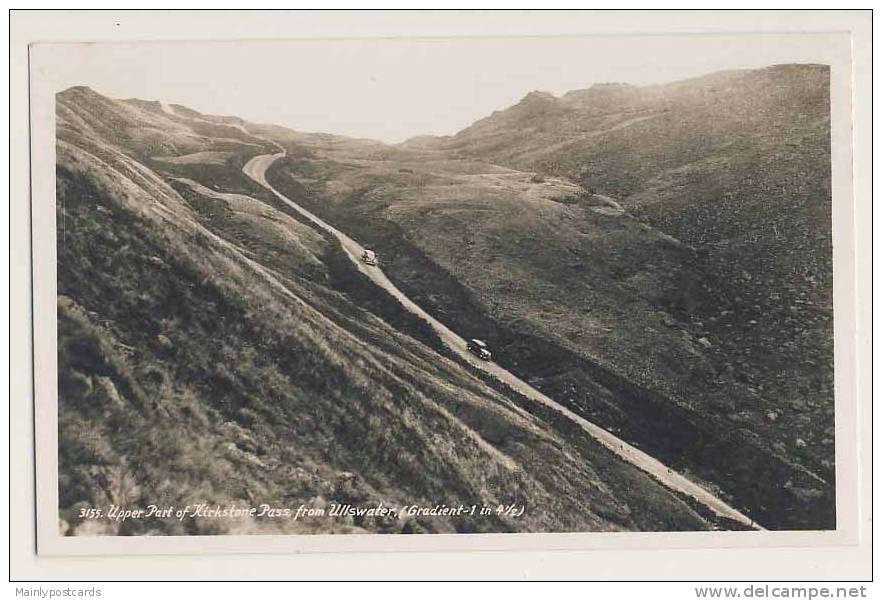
x=393 y=89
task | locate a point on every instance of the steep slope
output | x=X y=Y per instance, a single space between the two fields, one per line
x=213 y=349
x=657 y=257
x=737 y=166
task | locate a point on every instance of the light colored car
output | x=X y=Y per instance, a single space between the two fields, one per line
x=479 y=349
x=369 y=257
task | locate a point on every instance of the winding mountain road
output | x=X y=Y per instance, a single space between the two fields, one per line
x=256 y=169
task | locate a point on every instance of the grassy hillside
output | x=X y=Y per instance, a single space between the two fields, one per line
x=658 y=258
x=737 y=166
x=214 y=349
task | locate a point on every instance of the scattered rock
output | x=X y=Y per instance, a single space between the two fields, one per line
x=739 y=418
x=798 y=404
x=107 y=392
x=234 y=450
x=346 y=477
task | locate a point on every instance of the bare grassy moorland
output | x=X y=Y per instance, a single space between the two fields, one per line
x=213 y=349
x=657 y=258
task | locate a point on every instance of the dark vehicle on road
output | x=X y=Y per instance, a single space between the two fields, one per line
x=479 y=349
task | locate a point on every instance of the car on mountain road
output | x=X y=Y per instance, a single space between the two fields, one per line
x=479 y=349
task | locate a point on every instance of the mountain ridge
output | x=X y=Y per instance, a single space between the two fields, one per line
x=589 y=237
x=213 y=348
x=726 y=330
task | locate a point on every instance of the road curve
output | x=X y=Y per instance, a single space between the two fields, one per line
x=256 y=169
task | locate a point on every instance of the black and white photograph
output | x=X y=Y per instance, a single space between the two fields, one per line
x=597 y=310
x=538 y=285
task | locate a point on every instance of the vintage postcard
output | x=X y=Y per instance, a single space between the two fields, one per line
x=428 y=293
